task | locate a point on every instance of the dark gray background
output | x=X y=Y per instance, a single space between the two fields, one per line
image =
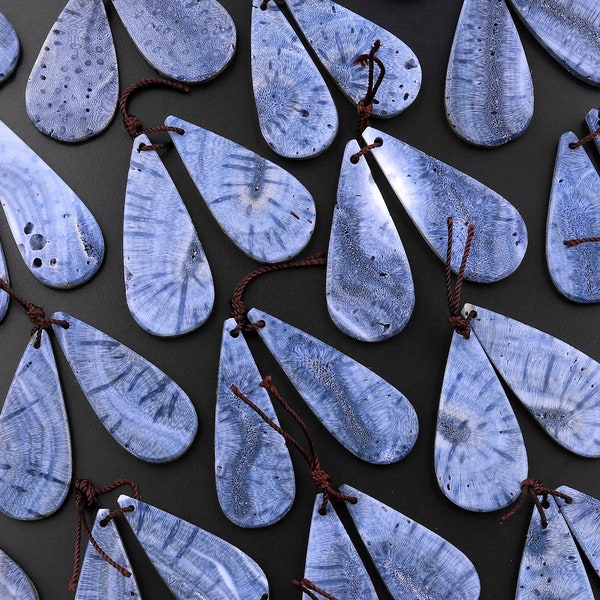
x=413 y=361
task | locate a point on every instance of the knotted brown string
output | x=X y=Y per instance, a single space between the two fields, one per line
x=134 y=125
x=585 y=139
x=238 y=308
x=532 y=488
x=308 y=587
x=321 y=478
x=365 y=105
x=577 y=241
x=87 y=496
x=36 y=314
x=461 y=324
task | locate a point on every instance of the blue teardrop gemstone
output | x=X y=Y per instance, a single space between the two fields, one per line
x=9 y=48
x=14 y=583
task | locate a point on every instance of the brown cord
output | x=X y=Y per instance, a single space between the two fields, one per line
x=36 y=315
x=585 y=139
x=321 y=478
x=577 y=241
x=532 y=488
x=238 y=308
x=308 y=587
x=461 y=324
x=87 y=496
x=134 y=125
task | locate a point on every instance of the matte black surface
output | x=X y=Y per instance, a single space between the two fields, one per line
x=413 y=361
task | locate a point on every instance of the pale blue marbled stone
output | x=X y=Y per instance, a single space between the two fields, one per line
x=296 y=113
x=192 y=562
x=593 y=122
x=574 y=212
x=480 y=456
x=35 y=445
x=263 y=209
x=141 y=407
x=168 y=282
x=413 y=561
x=569 y=30
x=58 y=237
x=14 y=583
x=559 y=385
x=489 y=91
x=73 y=88
x=431 y=191
x=332 y=562
x=98 y=580
x=338 y=36
x=254 y=473
x=370 y=292
x=583 y=519
x=4 y=297
x=9 y=48
x=187 y=41
x=367 y=415
x=551 y=567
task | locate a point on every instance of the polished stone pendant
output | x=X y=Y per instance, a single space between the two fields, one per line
x=569 y=30
x=583 y=518
x=99 y=580
x=35 y=444
x=296 y=112
x=574 y=213
x=559 y=385
x=593 y=122
x=368 y=416
x=58 y=237
x=4 y=297
x=370 y=292
x=73 y=88
x=431 y=191
x=168 y=282
x=332 y=562
x=9 y=48
x=14 y=583
x=480 y=456
x=489 y=91
x=186 y=41
x=141 y=407
x=191 y=561
x=339 y=36
x=263 y=209
x=551 y=566
x=254 y=473
x=413 y=561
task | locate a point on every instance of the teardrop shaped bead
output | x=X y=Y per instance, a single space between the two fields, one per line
x=480 y=456
x=568 y=30
x=370 y=292
x=332 y=562
x=551 y=566
x=368 y=416
x=339 y=36
x=558 y=384
x=413 y=561
x=263 y=209
x=168 y=282
x=583 y=518
x=431 y=191
x=186 y=41
x=193 y=562
x=14 y=583
x=593 y=122
x=296 y=112
x=99 y=580
x=489 y=91
x=4 y=297
x=9 y=48
x=59 y=239
x=73 y=88
x=254 y=473
x=141 y=407
x=35 y=444
x=574 y=213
